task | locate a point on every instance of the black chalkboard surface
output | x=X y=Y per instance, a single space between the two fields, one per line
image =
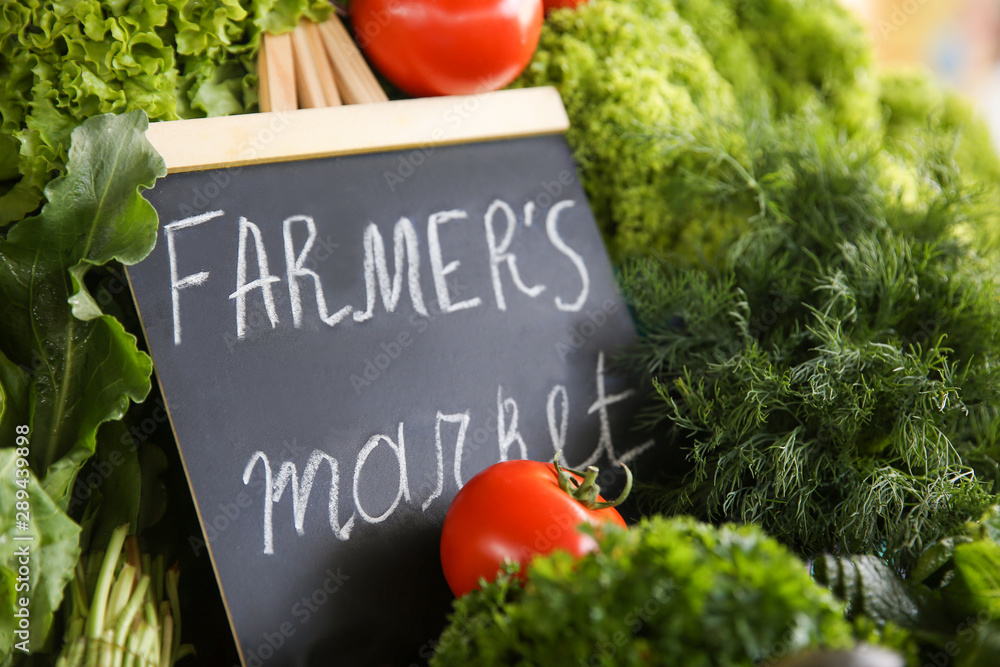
x=343 y=341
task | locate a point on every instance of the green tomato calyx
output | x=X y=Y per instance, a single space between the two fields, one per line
x=586 y=491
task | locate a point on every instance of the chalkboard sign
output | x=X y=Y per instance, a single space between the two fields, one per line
x=343 y=341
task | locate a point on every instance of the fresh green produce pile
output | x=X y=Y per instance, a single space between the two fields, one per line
x=837 y=380
x=730 y=596
x=809 y=246
x=84 y=367
x=123 y=606
x=62 y=62
x=666 y=587
x=71 y=367
x=664 y=96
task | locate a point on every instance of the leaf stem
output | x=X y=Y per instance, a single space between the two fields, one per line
x=95 y=621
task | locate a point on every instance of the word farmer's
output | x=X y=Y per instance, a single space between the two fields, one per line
x=500 y=223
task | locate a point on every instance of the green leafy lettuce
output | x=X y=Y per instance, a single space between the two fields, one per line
x=949 y=604
x=53 y=548
x=66 y=367
x=62 y=62
x=625 y=70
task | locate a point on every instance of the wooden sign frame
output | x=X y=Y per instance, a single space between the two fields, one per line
x=303 y=134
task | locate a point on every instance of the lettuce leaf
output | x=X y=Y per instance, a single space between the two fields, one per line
x=86 y=367
x=14 y=382
x=63 y=62
x=975 y=588
x=978 y=567
x=65 y=367
x=280 y=16
x=116 y=499
x=53 y=551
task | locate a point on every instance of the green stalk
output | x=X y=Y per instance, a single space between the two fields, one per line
x=75 y=656
x=133 y=650
x=149 y=609
x=130 y=610
x=107 y=648
x=95 y=621
x=152 y=654
x=132 y=617
x=79 y=594
x=121 y=591
x=171 y=581
x=93 y=652
x=147 y=646
x=168 y=636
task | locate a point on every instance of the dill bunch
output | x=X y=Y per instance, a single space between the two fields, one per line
x=837 y=380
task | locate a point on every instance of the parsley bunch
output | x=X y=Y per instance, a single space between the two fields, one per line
x=665 y=592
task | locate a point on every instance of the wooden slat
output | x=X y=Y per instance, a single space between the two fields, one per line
x=311 y=91
x=280 y=73
x=356 y=81
x=307 y=86
x=229 y=141
x=324 y=70
x=263 y=88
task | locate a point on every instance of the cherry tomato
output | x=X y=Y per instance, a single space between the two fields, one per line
x=448 y=47
x=515 y=510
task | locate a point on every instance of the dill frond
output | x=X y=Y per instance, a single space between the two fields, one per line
x=837 y=380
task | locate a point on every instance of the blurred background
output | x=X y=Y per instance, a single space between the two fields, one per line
x=959 y=40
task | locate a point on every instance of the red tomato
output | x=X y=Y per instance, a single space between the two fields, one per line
x=448 y=47
x=515 y=510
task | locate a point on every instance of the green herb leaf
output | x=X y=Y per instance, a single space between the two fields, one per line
x=871 y=588
x=53 y=549
x=113 y=495
x=14 y=383
x=975 y=590
x=61 y=63
x=837 y=380
x=85 y=371
x=666 y=590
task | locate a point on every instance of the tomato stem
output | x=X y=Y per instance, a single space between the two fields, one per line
x=586 y=491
